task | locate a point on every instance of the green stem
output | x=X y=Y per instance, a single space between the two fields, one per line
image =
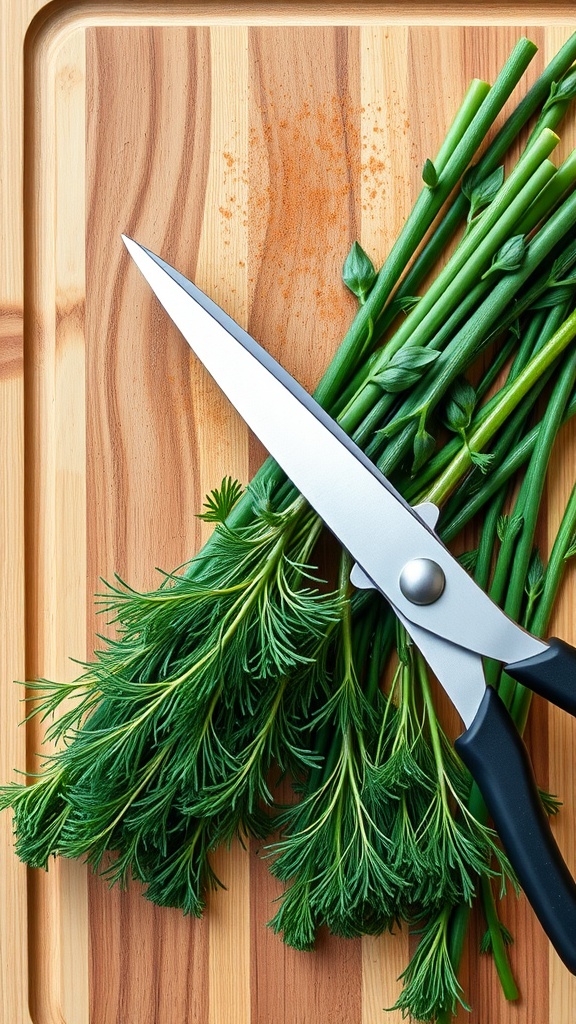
x=473 y=99
x=522 y=697
x=551 y=194
x=553 y=110
x=474 y=252
x=556 y=567
x=463 y=270
x=529 y=500
x=509 y=400
x=493 y=156
x=527 y=348
x=517 y=457
x=488 y=540
x=424 y=211
x=499 y=951
x=520 y=707
x=521 y=701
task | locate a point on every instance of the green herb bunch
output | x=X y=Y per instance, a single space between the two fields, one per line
x=243 y=666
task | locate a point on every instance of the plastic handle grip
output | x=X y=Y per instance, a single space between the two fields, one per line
x=495 y=755
x=552 y=674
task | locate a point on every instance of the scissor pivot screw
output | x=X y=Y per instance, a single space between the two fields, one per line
x=422 y=581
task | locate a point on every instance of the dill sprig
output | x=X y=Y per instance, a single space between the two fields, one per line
x=180 y=717
x=431 y=986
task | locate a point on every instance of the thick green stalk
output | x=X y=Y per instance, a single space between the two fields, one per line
x=542 y=326
x=522 y=699
x=499 y=951
x=473 y=99
x=424 y=211
x=556 y=410
x=487 y=540
x=470 y=339
x=556 y=564
x=509 y=400
x=520 y=707
x=551 y=194
x=553 y=110
x=517 y=457
x=540 y=289
x=475 y=250
x=493 y=156
x=431 y=471
x=529 y=499
x=462 y=272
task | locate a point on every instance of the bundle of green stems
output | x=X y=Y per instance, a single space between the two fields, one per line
x=244 y=667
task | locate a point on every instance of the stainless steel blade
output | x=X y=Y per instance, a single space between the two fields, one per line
x=358 y=504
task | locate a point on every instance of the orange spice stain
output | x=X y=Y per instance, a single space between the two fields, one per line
x=306 y=160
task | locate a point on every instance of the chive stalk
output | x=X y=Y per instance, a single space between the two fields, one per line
x=425 y=209
x=494 y=154
x=525 y=380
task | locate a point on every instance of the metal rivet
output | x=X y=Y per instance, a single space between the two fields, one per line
x=422 y=581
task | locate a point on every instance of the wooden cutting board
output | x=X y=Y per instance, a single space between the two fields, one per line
x=250 y=144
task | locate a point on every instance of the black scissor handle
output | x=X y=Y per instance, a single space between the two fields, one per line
x=495 y=755
x=552 y=674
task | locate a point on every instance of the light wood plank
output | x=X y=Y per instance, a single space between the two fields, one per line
x=387 y=147
x=13 y=927
x=222 y=448
x=57 y=460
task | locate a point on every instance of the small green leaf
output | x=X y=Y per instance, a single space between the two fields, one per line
x=563 y=263
x=566 y=88
x=429 y=174
x=483 y=192
x=405 y=368
x=553 y=296
x=562 y=91
x=395 y=426
x=415 y=358
x=424 y=446
x=571 y=549
x=358 y=272
x=220 y=502
x=565 y=282
x=405 y=303
x=397 y=378
x=502 y=526
x=508 y=527
x=460 y=406
x=468 y=183
x=509 y=257
x=535 y=576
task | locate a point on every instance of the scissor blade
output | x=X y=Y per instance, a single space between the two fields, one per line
x=358 y=504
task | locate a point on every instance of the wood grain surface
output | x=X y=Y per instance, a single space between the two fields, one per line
x=249 y=145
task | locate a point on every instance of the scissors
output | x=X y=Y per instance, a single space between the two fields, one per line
x=397 y=552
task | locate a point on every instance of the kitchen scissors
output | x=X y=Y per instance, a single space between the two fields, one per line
x=449 y=617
